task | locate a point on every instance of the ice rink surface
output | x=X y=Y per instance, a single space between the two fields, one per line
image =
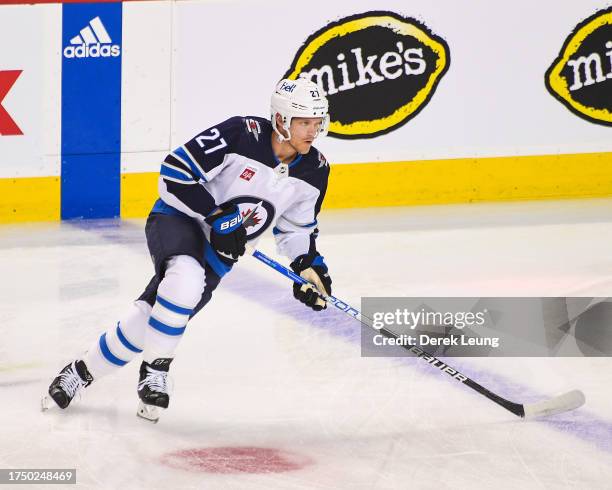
x=269 y=395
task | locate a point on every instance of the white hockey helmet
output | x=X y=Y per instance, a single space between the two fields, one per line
x=298 y=98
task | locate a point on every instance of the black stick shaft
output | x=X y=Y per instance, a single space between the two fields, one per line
x=515 y=408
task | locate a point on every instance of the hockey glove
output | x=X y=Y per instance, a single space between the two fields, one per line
x=314 y=270
x=227 y=234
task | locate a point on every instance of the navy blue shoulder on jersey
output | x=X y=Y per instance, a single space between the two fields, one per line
x=255 y=141
x=314 y=169
x=209 y=147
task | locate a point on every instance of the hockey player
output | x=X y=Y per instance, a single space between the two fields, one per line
x=218 y=191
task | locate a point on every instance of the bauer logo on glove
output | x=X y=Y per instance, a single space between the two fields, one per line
x=227 y=235
x=229 y=226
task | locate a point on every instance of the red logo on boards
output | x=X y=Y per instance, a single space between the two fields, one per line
x=8 y=127
x=248 y=173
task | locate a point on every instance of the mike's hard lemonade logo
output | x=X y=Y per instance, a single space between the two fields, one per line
x=581 y=76
x=377 y=69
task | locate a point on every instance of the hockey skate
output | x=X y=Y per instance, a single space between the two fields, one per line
x=153 y=389
x=69 y=383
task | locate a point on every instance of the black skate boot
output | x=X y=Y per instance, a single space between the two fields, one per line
x=69 y=383
x=153 y=389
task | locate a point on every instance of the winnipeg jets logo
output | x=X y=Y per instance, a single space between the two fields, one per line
x=250 y=217
x=257 y=214
x=253 y=127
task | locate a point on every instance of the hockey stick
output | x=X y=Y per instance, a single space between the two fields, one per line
x=559 y=404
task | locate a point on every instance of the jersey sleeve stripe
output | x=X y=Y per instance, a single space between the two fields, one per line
x=176 y=175
x=182 y=156
x=178 y=181
x=195 y=161
x=175 y=163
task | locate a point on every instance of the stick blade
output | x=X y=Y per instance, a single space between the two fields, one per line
x=559 y=404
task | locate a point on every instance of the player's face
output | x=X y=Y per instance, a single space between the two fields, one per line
x=303 y=132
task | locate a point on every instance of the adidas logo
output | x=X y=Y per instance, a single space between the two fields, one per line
x=93 y=41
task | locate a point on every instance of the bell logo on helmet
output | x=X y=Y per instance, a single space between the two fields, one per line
x=378 y=70
x=287 y=87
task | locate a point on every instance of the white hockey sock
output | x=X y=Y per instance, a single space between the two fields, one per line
x=120 y=344
x=177 y=295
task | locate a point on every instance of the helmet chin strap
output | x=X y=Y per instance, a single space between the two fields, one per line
x=279 y=135
x=282 y=139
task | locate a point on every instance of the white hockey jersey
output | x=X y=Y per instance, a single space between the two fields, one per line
x=234 y=162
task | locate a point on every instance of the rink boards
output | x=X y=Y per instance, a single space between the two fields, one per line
x=453 y=108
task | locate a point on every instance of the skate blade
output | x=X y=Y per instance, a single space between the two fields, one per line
x=46 y=402
x=149 y=412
